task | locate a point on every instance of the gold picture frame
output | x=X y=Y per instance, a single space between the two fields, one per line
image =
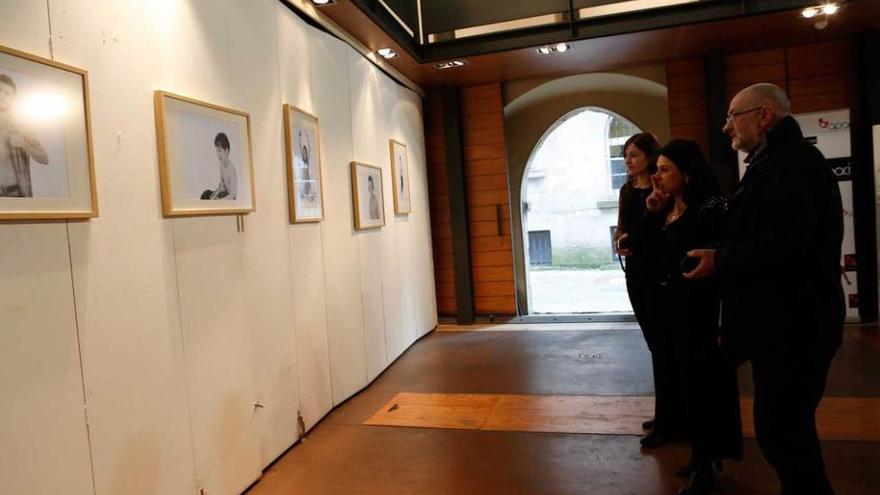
x=201 y=144
x=400 y=177
x=49 y=122
x=369 y=208
x=302 y=150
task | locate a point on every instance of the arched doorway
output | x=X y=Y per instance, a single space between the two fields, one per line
x=569 y=197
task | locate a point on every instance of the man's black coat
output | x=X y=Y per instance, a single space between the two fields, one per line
x=778 y=261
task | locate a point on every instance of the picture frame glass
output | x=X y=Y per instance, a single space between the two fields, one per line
x=370 y=211
x=206 y=157
x=400 y=173
x=46 y=168
x=304 y=167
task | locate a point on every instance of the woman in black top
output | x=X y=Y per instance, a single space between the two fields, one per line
x=685 y=213
x=641 y=151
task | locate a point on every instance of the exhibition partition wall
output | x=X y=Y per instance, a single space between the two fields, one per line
x=144 y=354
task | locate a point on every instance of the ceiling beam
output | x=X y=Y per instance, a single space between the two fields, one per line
x=681 y=15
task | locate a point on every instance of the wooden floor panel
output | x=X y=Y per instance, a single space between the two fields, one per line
x=838 y=418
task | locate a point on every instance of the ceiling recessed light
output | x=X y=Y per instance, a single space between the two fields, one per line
x=322 y=3
x=386 y=53
x=451 y=64
x=809 y=13
x=557 y=48
x=830 y=9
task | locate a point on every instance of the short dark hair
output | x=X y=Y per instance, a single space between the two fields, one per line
x=8 y=80
x=221 y=141
x=688 y=158
x=647 y=144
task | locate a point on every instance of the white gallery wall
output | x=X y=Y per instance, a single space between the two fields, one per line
x=133 y=348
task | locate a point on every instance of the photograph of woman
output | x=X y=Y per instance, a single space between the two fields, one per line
x=303 y=149
x=374 y=201
x=228 y=186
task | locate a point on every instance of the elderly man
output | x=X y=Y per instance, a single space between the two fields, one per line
x=778 y=265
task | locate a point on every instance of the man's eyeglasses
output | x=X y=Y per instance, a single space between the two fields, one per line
x=732 y=116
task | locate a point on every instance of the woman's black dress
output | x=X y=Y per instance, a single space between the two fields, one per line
x=630 y=214
x=686 y=311
x=640 y=279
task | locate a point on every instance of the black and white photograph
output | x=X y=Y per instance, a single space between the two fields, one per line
x=400 y=174
x=367 y=196
x=46 y=168
x=204 y=157
x=302 y=148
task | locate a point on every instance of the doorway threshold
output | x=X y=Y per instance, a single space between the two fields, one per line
x=566 y=318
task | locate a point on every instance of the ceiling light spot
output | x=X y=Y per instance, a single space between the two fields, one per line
x=451 y=64
x=386 y=53
x=557 y=48
x=830 y=9
x=809 y=13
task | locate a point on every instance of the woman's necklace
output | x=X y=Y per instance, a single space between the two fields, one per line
x=675 y=215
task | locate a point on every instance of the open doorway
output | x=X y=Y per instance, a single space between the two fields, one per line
x=569 y=202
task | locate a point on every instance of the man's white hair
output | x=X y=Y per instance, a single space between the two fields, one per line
x=770 y=94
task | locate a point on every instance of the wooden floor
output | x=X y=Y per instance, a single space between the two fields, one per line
x=838 y=418
x=551 y=411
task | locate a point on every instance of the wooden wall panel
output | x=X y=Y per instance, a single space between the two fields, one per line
x=488 y=199
x=486 y=167
x=688 y=118
x=822 y=76
x=744 y=69
x=817 y=77
x=441 y=225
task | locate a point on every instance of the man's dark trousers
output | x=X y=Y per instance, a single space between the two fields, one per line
x=788 y=388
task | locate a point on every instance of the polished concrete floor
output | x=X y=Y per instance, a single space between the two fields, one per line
x=343 y=456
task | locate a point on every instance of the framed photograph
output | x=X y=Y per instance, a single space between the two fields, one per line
x=46 y=162
x=400 y=175
x=205 y=160
x=366 y=193
x=302 y=142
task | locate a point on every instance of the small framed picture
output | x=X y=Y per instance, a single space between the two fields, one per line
x=305 y=189
x=366 y=192
x=400 y=175
x=46 y=161
x=205 y=160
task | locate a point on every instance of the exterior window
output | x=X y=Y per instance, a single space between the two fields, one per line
x=619 y=130
x=540 y=248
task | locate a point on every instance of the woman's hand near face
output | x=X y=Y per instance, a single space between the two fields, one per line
x=657 y=199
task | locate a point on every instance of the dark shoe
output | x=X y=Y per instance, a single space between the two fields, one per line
x=648 y=425
x=653 y=439
x=701 y=482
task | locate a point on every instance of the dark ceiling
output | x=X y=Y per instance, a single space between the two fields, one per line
x=598 y=43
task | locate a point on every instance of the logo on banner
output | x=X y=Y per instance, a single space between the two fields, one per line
x=849 y=262
x=832 y=126
x=841 y=167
